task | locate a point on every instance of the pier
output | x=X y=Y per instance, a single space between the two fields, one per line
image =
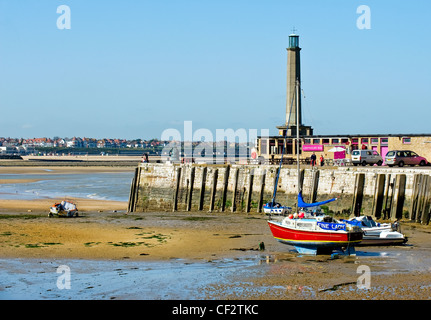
x=384 y=193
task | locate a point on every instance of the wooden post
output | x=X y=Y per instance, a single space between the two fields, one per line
x=390 y=199
x=235 y=187
x=301 y=178
x=202 y=195
x=387 y=197
x=225 y=185
x=133 y=191
x=315 y=174
x=177 y=189
x=421 y=196
x=192 y=180
x=262 y=190
x=250 y=190
x=398 y=197
x=358 y=194
x=378 y=196
x=426 y=205
x=415 y=192
x=213 y=190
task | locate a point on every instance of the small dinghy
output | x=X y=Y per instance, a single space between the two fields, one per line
x=63 y=209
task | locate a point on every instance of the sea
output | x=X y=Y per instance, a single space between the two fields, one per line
x=50 y=185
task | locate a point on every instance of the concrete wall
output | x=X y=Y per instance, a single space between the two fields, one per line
x=245 y=188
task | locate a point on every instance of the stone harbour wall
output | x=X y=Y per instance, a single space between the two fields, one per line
x=379 y=191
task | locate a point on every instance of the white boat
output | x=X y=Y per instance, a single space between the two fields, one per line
x=63 y=209
x=378 y=233
x=276 y=208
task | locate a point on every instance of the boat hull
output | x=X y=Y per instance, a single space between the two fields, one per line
x=376 y=234
x=382 y=240
x=314 y=239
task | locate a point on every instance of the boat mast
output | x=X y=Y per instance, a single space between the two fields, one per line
x=282 y=153
x=297 y=138
x=297 y=132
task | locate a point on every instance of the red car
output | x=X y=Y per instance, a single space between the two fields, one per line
x=404 y=157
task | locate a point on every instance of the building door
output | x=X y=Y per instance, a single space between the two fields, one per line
x=383 y=152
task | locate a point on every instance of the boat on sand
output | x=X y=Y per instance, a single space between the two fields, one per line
x=309 y=231
x=63 y=209
x=376 y=234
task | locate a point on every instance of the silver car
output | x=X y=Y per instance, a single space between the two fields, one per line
x=404 y=157
x=365 y=157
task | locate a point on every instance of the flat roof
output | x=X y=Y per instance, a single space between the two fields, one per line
x=354 y=135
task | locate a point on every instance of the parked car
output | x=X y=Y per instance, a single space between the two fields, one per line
x=404 y=157
x=365 y=157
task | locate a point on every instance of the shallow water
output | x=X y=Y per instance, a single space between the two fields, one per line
x=179 y=279
x=168 y=280
x=100 y=186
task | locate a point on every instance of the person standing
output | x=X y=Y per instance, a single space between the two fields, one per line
x=313 y=160
x=322 y=160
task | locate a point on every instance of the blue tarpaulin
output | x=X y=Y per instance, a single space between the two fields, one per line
x=302 y=204
x=353 y=222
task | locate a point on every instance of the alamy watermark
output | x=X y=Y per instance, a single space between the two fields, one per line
x=64 y=20
x=64 y=280
x=364 y=20
x=364 y=280
x=204 y=144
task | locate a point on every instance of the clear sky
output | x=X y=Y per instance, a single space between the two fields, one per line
x=131 y=69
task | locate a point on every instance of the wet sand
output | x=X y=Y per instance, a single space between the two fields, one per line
x=105 y=233
x=198 y=238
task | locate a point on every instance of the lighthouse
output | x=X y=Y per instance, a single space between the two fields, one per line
x=293 y=77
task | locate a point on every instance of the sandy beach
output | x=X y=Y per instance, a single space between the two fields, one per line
x=105 y=232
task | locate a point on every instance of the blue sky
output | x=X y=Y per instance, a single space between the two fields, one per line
x=131 y=69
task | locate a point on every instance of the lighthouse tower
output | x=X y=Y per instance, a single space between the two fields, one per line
x=293 y=75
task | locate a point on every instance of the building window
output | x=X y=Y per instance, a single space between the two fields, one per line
x=263 y=144
x=374 y=141
x=289 y=149
x=344 y=141
x=407 y=140
x=307 y=141
x=355 y=140
x=364 y=140
x=325 y=141
x=272 y=148
x=335 y=141
x=316 y=141
x=280 y=146
x=384 y=141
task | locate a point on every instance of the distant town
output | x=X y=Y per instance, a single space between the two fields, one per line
x=106 y=146
x=44 y=145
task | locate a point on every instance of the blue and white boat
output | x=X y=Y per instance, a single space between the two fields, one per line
x=376 y=234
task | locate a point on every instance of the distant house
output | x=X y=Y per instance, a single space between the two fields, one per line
x=8 y=150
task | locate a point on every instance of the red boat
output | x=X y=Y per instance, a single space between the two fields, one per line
x=314 y=236
x=309 y=232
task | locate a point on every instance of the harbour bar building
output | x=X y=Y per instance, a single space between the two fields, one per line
x=331 y=147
